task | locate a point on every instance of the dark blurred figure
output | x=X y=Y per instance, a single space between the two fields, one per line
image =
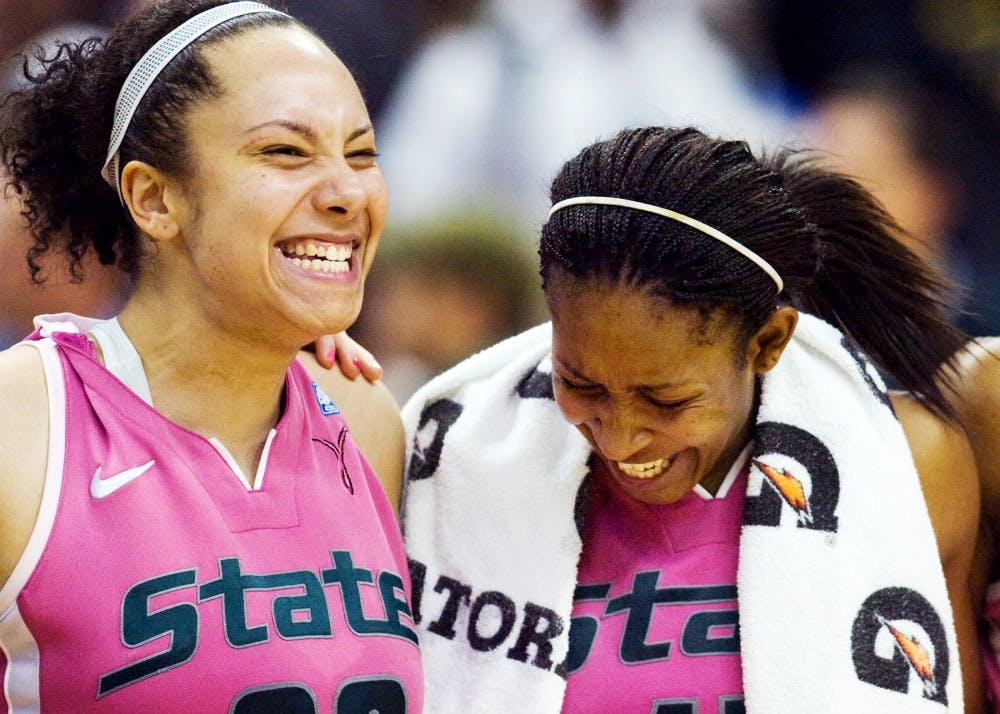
x=814 y=39
x=375 y=38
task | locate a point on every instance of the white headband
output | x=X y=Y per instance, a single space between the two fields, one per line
x=680 y=217
x=149 y=66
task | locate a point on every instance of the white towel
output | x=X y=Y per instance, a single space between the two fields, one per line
x=835 y=584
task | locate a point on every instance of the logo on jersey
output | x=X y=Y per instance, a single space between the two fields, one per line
x=898 y=643
x=435 y=421
x=338 y=450
x=793 y=475
x=326 y=405
x=104 y=487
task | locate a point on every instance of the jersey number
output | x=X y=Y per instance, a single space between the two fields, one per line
x=727 y=705
x=360 y=695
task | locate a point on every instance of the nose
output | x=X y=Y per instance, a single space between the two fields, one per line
x=340 y=189
x=618 y=433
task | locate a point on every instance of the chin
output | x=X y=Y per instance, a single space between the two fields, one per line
x=661 y=499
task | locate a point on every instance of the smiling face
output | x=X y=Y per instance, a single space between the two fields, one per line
x=664 y=395
x=278 y=223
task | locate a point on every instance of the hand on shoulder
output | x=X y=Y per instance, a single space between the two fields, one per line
x=341 y=351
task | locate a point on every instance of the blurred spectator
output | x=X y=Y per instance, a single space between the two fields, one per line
x=947 y=53
x=490 y=108
x=903 y=141
x=441 y=292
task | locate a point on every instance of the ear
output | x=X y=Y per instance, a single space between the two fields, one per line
x=767 y=345
x=148 y=196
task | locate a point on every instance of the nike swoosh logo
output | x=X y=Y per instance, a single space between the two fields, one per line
x=102 y=488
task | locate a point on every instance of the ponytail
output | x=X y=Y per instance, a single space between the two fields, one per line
x=49 y=145
x=870 y=286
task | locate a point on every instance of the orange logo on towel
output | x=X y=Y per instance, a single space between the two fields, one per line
x=915 y=653
x=918 y=644
x=789 y=488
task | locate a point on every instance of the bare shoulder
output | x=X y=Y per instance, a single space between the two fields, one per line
x=979 y=379
x=947 y=471
x=373 y=416
x=977 y=401
x=24 y=438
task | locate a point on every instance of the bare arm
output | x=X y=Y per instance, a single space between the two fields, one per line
x=373 y=416
x=24 y=436
x=978 y=403
x=977 y=400
x=947 y=472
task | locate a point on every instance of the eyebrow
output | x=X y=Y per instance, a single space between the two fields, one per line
x=641 y=387
x=305 y=130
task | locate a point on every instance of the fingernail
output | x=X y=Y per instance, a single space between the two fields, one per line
x=331 y=356
x=375 y=363
x=356 y=362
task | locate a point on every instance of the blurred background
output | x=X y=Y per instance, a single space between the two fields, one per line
x=477 y=102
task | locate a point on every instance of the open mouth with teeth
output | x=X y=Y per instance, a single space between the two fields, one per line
x=319 y=257
x=647 y=470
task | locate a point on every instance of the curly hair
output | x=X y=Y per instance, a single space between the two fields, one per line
x=54 y=133
x=836 y=248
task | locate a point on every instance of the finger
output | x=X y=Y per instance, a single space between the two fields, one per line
x=354 y=359
x=370 y=367
x=326 y=351
x=349 y=362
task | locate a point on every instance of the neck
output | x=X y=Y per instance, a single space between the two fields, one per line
x=713 y=480
x=216 y=383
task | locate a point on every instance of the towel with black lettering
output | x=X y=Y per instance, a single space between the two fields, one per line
x=843 y=605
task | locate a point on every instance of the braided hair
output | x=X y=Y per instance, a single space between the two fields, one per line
x=836 y=249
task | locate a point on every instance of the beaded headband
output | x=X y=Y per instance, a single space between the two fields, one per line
x=681 y=218
x=149 y=66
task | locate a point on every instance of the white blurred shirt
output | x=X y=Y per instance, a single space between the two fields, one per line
x=487 y=113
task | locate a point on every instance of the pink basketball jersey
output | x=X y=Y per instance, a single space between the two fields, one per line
x=655 y=625
x=989 y=645
x=157 y=580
